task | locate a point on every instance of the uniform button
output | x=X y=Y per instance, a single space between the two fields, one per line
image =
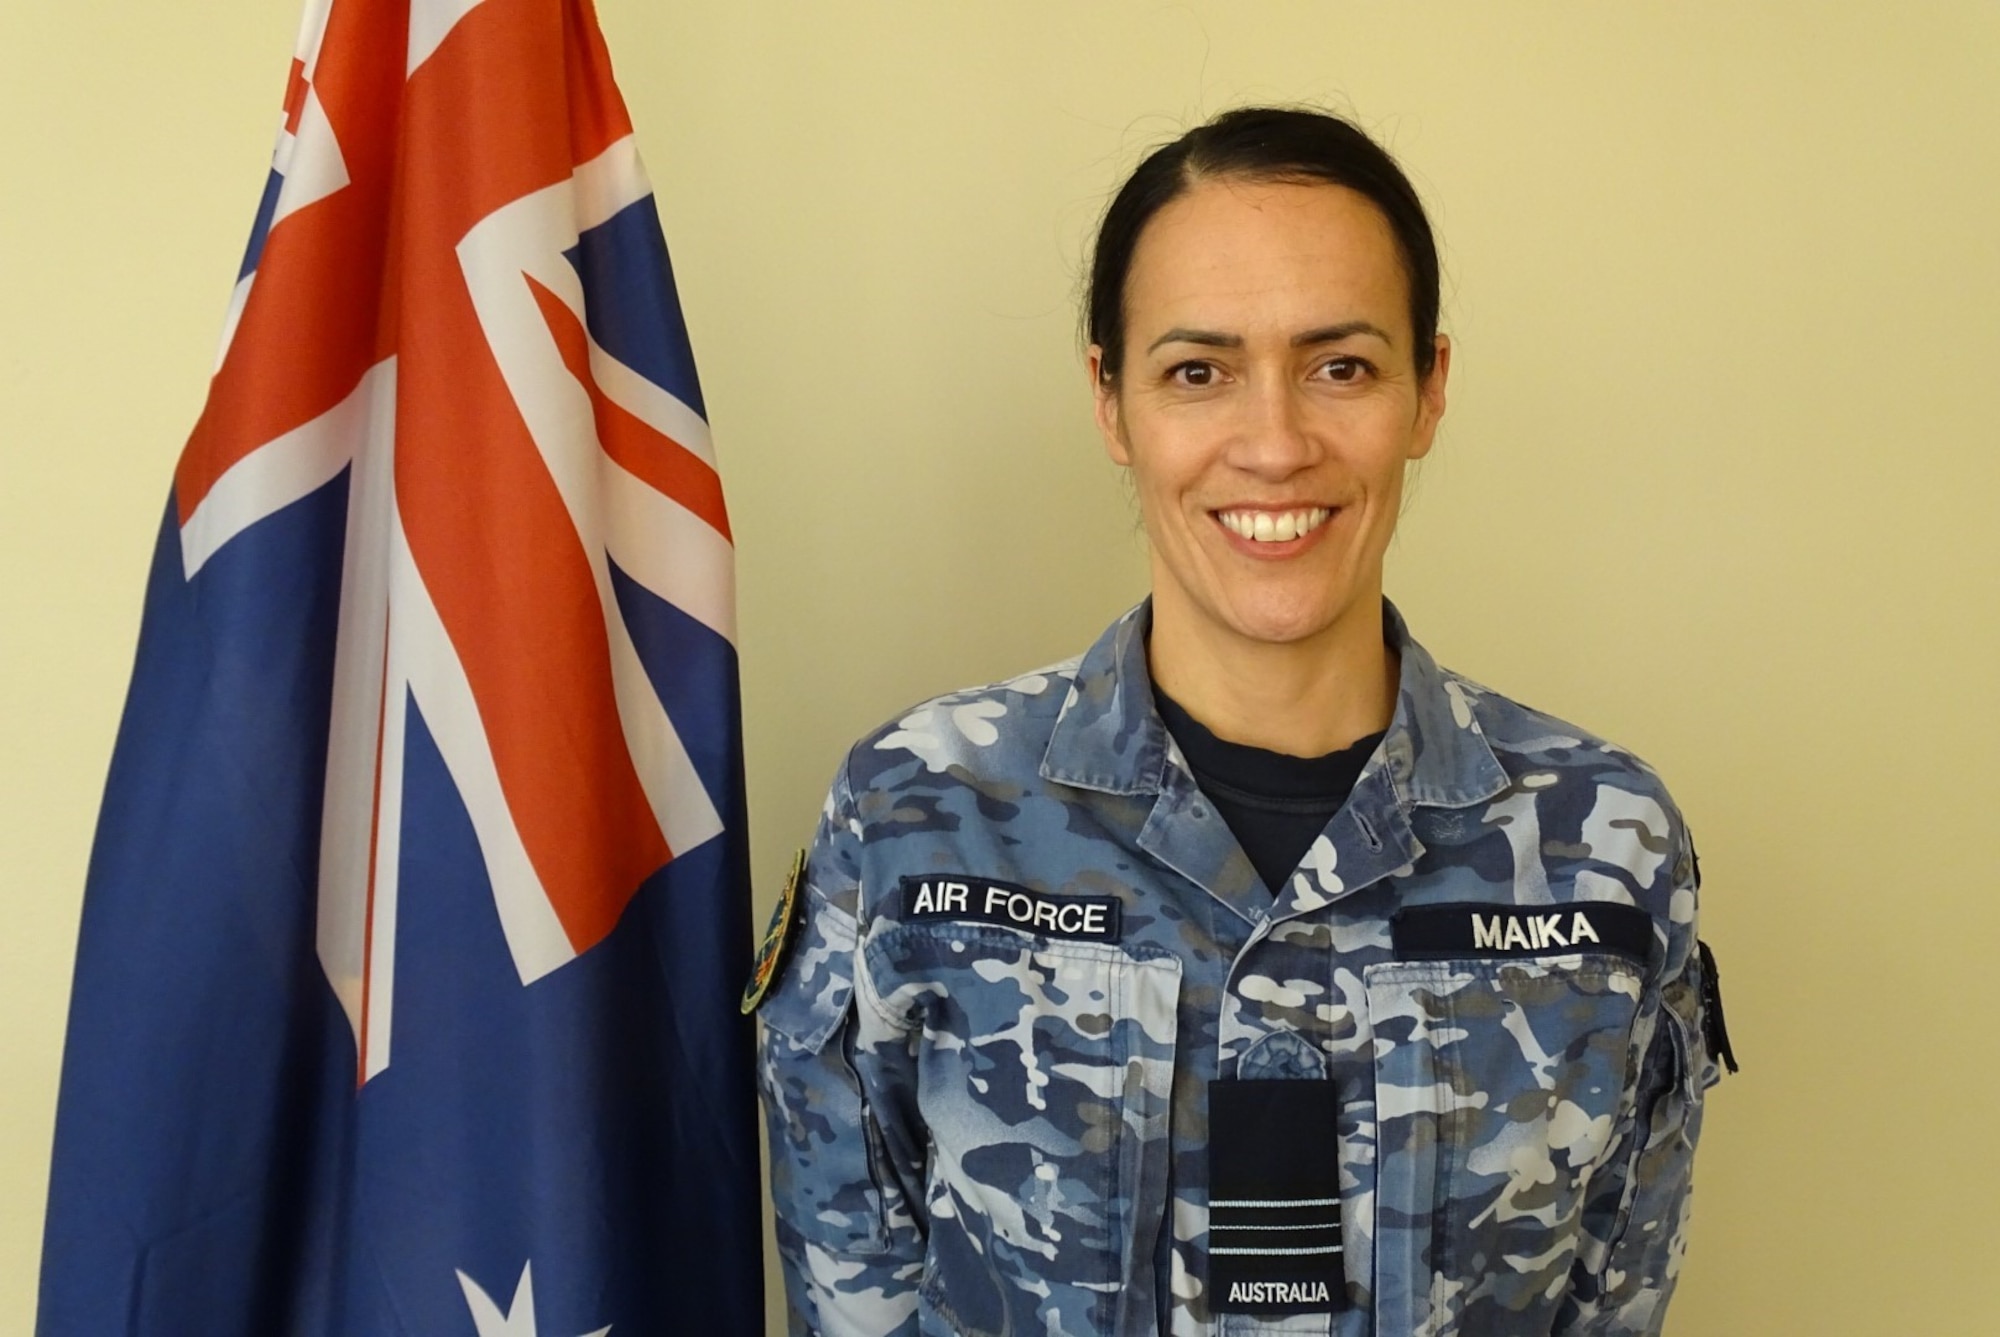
x=1200 y=812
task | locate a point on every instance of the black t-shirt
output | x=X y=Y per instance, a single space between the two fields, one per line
x=1275 y=805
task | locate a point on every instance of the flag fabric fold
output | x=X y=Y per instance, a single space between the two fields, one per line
x=405 y=993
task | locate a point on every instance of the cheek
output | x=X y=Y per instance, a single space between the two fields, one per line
x=1382 y=445
x=1164 y=468
x=1386 y=510
x=1160 y=512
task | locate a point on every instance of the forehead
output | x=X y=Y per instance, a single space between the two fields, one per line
x=1248 y=256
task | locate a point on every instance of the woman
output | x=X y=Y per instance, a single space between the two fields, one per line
x=1250 y=972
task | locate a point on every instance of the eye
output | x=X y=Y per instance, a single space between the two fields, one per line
x=1194 y=375
x=1346 y=370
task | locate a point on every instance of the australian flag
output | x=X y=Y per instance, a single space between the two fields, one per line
x=406 y=994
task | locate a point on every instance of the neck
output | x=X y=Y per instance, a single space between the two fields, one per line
x=1303 y=698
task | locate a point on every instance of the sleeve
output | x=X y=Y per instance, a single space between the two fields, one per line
x=851 y=1252
x=1635 y=1219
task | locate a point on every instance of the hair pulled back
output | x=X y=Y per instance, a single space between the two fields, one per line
x=1290 y=144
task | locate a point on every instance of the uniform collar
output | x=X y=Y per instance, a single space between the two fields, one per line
x=1110 y=738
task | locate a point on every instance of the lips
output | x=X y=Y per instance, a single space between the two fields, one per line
x=1262 y=526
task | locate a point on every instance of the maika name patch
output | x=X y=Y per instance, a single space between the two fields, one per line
x=953 y=896
x=1454 y=932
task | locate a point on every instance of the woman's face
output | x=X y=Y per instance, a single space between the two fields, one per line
x=1268 y=403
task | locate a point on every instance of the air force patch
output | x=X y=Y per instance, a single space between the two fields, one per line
x=777 y=935
x=952 y=896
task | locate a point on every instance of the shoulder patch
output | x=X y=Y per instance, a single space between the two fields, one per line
x=1714 y=1029
x=1445 y=932
x=777 y=936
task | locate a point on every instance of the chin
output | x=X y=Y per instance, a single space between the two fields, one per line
x=1282 y=622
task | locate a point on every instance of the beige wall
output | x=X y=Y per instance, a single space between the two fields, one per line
x=1717 y=478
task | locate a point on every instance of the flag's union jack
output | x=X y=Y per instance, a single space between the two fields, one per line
x=438 y=676
x=458 y=298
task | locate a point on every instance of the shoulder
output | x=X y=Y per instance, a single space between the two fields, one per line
x=1000 y=729
x=1527 y=739
x=930 y=771
x=1585 y=786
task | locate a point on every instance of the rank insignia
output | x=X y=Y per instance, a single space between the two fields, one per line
x=777 y=936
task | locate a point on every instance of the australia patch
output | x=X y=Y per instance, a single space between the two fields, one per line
x=953 y=896
x=1471 y=930
x=1274 y=1236
x=777 y=936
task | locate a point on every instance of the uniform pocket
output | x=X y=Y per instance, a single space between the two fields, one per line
x=1666 y=1121
x=826 y=1176
x=1499 y=1085
x=1044 y=1074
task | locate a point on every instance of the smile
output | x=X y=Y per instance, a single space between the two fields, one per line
x=1274 y=526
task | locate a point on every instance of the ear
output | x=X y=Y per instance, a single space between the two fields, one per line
x=1431 y=400
x=1104 y=394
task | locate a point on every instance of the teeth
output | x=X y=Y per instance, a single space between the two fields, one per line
x=1279 y=527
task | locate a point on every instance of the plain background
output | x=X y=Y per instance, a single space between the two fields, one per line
x=1717 y=480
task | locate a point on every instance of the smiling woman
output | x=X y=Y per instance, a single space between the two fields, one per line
x=1250 y=972
x=1272 y=398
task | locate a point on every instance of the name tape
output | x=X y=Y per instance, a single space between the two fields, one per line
x=1445 y=932
x=952 y=896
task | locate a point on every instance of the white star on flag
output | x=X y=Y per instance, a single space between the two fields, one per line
x=519 y=1320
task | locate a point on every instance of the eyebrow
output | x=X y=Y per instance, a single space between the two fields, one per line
x=1331 y=334
x=1325 y=334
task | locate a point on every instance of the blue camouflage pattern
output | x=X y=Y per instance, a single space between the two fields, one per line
x=980 y=1129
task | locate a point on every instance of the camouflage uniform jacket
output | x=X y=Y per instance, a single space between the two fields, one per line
x=1027 y=946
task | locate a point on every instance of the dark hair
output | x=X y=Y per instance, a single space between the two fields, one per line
x=1261 y=144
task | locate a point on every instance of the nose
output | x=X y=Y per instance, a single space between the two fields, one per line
x=1273 y=440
